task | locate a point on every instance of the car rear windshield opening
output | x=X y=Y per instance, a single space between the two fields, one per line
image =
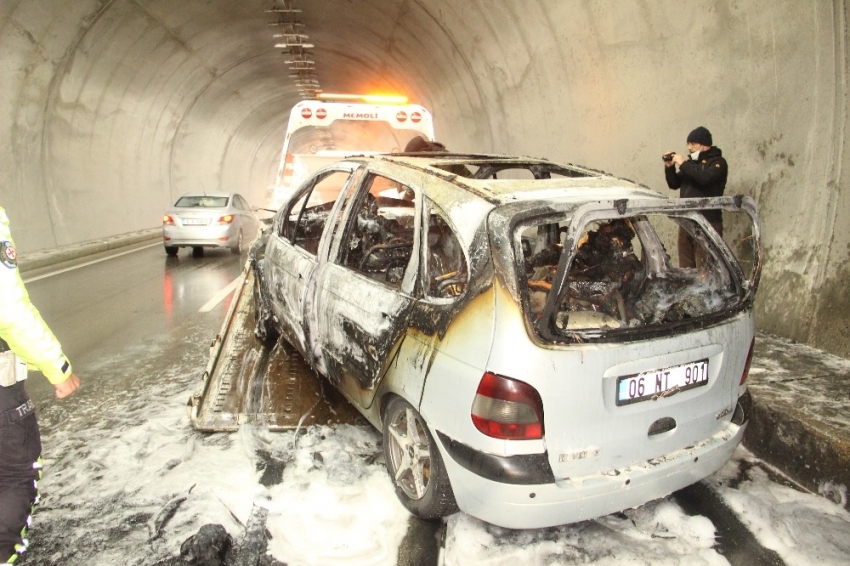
x=202 y=202
x=625 y=275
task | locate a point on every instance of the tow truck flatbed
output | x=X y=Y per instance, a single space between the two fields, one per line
x=247 y=382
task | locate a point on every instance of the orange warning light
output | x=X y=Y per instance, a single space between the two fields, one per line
x=370 y=98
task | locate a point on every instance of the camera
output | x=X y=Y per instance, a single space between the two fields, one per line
x=668 y=156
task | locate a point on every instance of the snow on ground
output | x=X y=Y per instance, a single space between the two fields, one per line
x=802 y=528
x=657 y=533
x=128 y=480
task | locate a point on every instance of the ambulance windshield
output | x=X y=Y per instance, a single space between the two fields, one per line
x=351 y=136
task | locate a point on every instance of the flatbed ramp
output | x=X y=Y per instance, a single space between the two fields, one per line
x=246 y=382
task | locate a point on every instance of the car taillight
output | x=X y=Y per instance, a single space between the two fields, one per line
x=226 y=219
x=747 y=364
x=166 y=219
x=507 y=408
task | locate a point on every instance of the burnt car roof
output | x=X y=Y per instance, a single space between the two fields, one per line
x=572 y=183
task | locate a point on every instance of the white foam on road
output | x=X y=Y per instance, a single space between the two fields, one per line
x=117 y=468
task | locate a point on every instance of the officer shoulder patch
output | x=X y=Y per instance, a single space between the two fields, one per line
x=8 y=255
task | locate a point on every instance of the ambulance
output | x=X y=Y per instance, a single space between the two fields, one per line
x=339 y=125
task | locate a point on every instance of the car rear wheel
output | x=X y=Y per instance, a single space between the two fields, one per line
x=171 y=250
x=237 y=249
x=414 y=463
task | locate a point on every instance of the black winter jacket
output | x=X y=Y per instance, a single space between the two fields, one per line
x=705 y=177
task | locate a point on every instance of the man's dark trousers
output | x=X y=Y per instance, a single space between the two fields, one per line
x=20 y=448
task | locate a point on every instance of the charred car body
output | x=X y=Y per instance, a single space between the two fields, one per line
x=516 y=328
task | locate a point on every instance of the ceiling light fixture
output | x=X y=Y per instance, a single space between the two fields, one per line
x=294 y=41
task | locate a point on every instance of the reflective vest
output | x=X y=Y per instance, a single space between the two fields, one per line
x=21 y=325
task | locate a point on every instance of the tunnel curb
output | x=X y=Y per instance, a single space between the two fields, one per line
x=29 y=261
x=816 y=459
x=797 y=425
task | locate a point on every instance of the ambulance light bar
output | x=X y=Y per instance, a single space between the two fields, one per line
x=371 y=98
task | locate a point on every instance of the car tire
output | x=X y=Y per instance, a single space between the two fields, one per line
x=237 y=249
x=171 y=250
x=264 y=328
x=414 y=463
x=197 y=251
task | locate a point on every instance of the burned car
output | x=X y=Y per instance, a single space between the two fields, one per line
x=517 y=329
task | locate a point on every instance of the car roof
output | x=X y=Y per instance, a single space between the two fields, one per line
x=587 y=184
x=469 y=201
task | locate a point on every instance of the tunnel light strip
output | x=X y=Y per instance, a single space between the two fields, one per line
x=67 y=269
x=220 y=296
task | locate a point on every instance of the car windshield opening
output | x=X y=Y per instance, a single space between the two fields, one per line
x=202 y=202
x=621 y=276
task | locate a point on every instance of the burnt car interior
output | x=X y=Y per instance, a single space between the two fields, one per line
x=380 y=238
x=309 y=214
x=621 y=276
x=446 y=272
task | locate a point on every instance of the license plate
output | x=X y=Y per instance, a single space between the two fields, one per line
x=195 y=221
x=660 y=383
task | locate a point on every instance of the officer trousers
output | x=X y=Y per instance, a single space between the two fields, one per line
x=20 y=468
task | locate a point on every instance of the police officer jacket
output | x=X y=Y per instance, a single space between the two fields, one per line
x=705 y=177
x=21 y=325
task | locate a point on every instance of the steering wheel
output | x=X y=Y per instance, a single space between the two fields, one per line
x=391 y=259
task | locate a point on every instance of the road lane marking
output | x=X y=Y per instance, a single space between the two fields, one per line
x=221 y=295
x=51 y=274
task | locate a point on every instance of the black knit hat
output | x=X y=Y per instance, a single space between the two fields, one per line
x=701 y=136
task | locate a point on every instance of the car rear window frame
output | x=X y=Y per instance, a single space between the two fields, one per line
x=543 y=328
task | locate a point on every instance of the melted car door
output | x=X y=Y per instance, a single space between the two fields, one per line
x=294 y=251
x=364 y=293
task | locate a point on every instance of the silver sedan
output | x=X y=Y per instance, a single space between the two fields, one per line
x=215 y=220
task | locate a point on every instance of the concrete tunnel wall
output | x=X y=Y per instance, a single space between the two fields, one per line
x=110 y=109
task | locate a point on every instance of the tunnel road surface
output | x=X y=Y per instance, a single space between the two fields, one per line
x=125 y=323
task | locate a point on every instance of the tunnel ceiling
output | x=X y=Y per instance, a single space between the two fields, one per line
x=128 y=97
x=110 y=109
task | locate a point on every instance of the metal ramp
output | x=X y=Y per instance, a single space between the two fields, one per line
x=246 y=382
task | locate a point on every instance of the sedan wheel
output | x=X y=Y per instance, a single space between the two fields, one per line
x=414 y=463
x=237 y=249
x=171 y=250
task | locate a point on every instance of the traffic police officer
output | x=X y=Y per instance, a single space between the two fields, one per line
x=24 y=339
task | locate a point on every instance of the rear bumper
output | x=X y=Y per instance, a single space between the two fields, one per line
x=570 y=500
x=207 y=236
x=524 y=469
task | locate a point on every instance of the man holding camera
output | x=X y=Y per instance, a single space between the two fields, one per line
x=701 y=174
